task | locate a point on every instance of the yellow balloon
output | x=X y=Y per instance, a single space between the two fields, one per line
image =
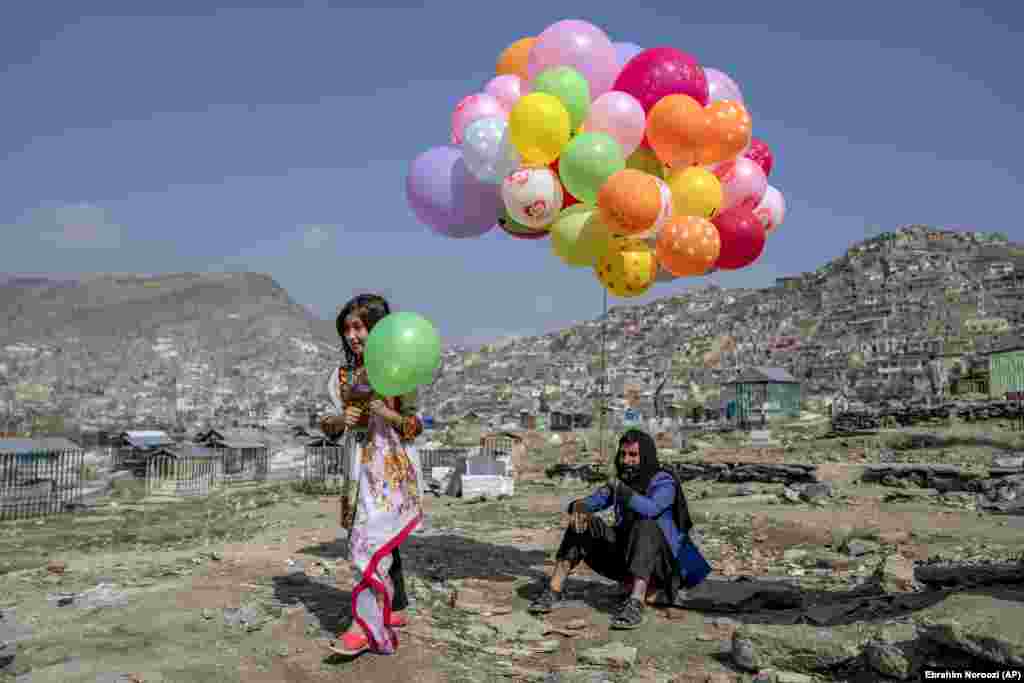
x=539 y=127
x=628 y=268
x=578 y=237
x=643 y=159
x=696 y=191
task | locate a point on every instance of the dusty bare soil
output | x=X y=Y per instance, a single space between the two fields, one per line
x=173 y=622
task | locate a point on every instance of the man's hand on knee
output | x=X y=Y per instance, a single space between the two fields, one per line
x=579 y=517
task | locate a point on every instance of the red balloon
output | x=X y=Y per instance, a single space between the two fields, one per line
x=567 y=199
x=662 y=71
x=760 y=152
x=742 y=236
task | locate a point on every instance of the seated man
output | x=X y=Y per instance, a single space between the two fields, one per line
x=649 y=545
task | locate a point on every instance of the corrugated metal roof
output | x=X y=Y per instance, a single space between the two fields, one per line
x=150 y=441
x=764 y=374
x=1015 y=343
x=776 y=374
x=47 y=444
x=238 y=445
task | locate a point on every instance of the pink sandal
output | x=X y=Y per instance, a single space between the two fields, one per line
x=350 y=644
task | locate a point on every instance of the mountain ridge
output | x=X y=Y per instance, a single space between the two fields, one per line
x=218 y=344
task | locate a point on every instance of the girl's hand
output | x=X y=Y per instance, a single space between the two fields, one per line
x=381 y=409
x=352 y=415
x=332 y=425
x=348 y=513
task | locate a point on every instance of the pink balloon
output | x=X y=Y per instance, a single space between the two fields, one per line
x=662 y=71
x=772 y=209
x=582 y=46
x=473 y=107
x=620 y=115
x=743 y=183
x=506 y=88
x=721 y=87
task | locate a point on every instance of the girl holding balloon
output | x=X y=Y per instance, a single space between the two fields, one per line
x=381 y=494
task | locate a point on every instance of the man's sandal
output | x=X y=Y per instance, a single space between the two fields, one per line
x=631 y=616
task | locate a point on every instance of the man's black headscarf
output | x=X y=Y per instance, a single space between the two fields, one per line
x=638 y=478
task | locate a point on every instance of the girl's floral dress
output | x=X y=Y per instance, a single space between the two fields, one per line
x=381 y=485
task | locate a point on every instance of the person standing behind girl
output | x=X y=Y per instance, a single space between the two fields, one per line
x=381 y=502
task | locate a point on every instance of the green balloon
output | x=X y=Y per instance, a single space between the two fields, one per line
x=578 y=236
x=587 y=162
x=643 y=159
x=570 y=87
x=402 y=352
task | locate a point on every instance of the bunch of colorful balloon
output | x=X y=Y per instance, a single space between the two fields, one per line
x=637 y=163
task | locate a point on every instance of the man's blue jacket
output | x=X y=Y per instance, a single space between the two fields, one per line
x=657 y=503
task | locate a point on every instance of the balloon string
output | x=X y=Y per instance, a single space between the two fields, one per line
x=603 y=403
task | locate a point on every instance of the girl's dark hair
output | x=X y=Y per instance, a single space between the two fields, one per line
x=371 y=309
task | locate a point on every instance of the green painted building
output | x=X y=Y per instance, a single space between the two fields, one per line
x=1006 y=370
x=772 y=389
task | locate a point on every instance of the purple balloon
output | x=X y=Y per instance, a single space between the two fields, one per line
x=445 y=196
x=626 y=51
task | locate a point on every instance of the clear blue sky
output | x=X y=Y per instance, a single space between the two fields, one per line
x=277 y=139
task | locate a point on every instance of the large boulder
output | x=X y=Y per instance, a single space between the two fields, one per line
x=986 y=627
x=796 y=647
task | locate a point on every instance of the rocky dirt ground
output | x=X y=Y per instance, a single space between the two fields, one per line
x=809 y=584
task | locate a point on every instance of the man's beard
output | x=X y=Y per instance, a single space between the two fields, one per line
x=629 y=473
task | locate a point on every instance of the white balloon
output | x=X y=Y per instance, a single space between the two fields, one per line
x=533 y=196
x=486 y=150
x=772 y=209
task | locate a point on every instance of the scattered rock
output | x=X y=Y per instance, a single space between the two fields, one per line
x=812 y=492
x=245 y=616
x=790 y=677
x=964 y=574
x=1002 y=495
x=980 y=625
x=1009 y=462
x=614 y=654
x=794 y=554
x=746 y=472
x=103 y=595
x=859 y=548
x=924 y=475
x=517 y=626
x=888 y=659
x=746 y=490
x=800 y=647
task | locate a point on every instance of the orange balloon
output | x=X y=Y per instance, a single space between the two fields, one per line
x=683 y=133
x=728 y=131
x=677 y=129
x=513 y=59
x=688 y=246
x=632 y=202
